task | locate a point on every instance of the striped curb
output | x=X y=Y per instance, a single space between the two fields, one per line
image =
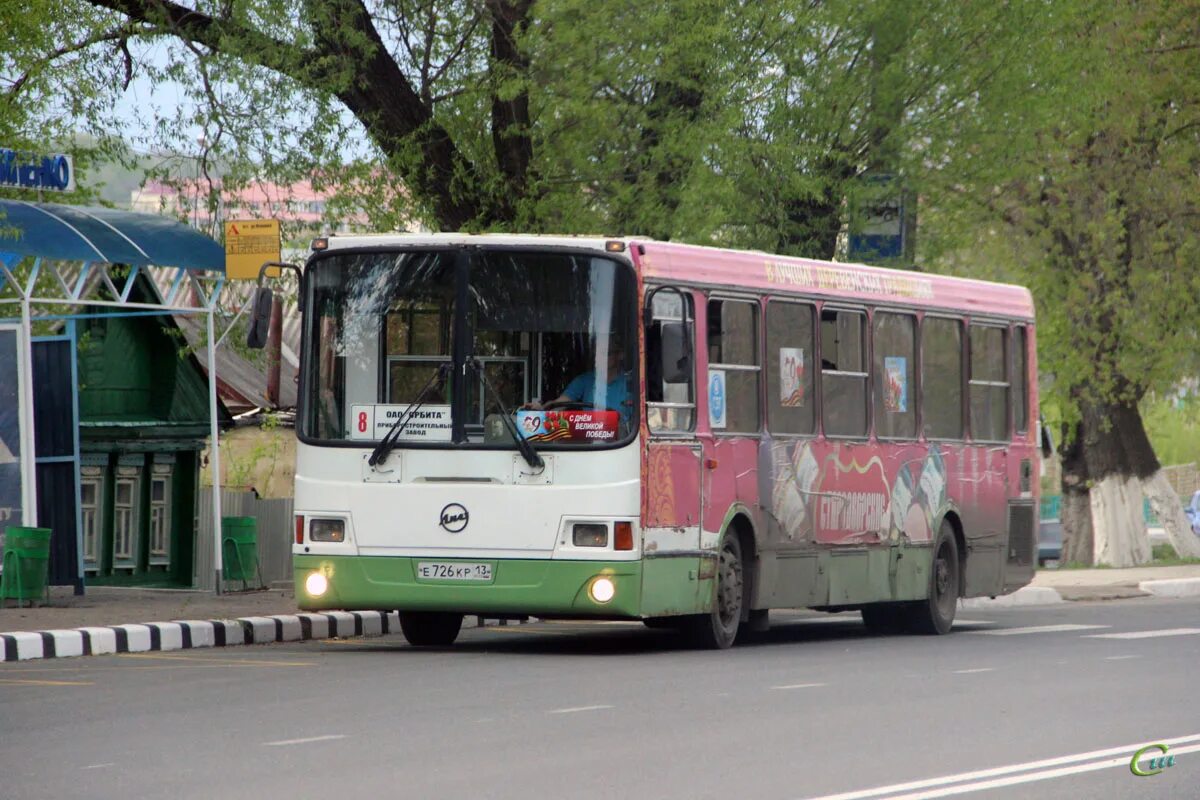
x=191 y=634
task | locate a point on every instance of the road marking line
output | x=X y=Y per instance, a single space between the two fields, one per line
x=1038 y=629
x=974 y=622
x=1092 y=766
x=1119 y=658
x=1145 y=634
x=287 y=742
x=1121 y=755
x=31 y=682
x=100 y=766
x=799 y=686
x=973 y=671
x=577 y=708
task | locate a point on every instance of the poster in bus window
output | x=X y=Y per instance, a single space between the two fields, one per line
x=10 y=430
x=791 y=377
x=895 y=384
x=716 y=399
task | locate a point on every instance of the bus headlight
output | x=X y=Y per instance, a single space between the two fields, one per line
x=327 y=530
x=316 y=584
x=588 y=534
x=602 y=589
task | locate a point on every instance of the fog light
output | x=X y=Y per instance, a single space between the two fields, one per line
x=589 y=535
x=316 y=584
x=602 y=590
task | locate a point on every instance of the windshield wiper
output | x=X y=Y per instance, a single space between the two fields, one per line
x=528 y=452
x=380 y=453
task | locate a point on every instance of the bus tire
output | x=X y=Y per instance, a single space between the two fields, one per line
x=718 y=629
x=935 y=614
x=885 y=618
x=430 y=628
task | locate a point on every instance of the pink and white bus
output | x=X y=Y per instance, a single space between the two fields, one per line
x=627 y=429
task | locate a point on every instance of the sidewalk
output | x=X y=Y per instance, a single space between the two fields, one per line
x=121 y=620
x=105 y=605
x=1108 y=584
x=1059 y=585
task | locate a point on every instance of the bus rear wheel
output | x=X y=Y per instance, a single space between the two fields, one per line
x=430 y=628
x=935 y=614
x=718 y=629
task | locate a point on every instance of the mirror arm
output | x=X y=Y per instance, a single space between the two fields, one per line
x=262 y=273
x=648 y=311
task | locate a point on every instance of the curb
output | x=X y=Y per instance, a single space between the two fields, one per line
x=1172 y=587
x=1025 y=596
x=191 y=634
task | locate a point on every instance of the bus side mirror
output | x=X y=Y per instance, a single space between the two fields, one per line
x=1047 y=441
x=676 y=351
x=260 y=318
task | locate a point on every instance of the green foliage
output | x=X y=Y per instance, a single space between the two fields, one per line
x=1079 y=181
x=1173 y=426
x=746 y=124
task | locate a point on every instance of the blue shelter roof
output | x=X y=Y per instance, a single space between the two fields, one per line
x=92 y=233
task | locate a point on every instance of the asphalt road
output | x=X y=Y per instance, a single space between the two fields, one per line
x=1015 y=703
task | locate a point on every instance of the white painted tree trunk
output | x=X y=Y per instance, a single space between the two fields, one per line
x=1118 y=526
x=1169 y=510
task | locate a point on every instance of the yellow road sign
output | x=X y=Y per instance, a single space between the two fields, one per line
x=248 y=243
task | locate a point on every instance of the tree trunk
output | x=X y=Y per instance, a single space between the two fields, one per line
x=1109 y=469
x=1169 y=510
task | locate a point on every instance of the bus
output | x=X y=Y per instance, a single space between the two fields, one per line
x=619 y=429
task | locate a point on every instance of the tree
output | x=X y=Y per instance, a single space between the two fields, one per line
x=1094 y=170
x=746 y=123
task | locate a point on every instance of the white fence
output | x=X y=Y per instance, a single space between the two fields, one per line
x=275 y=529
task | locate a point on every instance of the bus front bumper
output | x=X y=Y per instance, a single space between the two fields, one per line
x=517 y=586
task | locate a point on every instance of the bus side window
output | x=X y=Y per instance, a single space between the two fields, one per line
x=894 y=348
x=670 y=393
x=733 y=353
x=1019 y=377
x=941 y=378
x=790 y=357
x=843 y=373
x=989 y=383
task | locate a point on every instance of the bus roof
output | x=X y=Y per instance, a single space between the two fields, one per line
x=763 y=272
x=757 y=271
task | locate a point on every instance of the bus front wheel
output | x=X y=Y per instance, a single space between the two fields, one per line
x=935 y=614
x=717 y=629
x=430 y=628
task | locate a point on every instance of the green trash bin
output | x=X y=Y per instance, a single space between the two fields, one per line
x=239 y=551
x=26 y=562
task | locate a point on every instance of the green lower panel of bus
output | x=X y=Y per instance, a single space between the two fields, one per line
x=504 y=586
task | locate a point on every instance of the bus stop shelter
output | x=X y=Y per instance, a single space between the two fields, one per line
x=61 y=266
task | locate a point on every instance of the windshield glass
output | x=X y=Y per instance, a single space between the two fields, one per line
x=552 y=334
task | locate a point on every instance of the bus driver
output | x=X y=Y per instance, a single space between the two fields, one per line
x=614 y=394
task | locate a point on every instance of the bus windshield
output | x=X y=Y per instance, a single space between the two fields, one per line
x=547 y=337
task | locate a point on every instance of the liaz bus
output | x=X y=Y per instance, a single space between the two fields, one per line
x=622 y=429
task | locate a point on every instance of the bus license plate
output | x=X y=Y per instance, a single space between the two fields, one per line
x=453 y=571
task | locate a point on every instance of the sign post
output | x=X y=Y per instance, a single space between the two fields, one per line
x=881 y=225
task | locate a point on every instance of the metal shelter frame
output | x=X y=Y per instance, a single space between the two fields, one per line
x=54 y=257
